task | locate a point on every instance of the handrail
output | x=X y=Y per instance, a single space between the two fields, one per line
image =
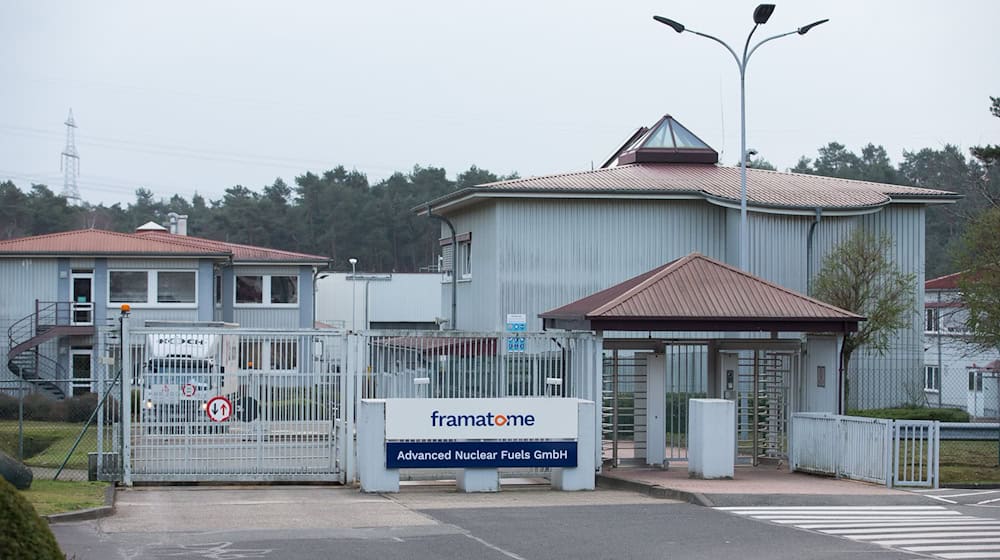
x=47 y=315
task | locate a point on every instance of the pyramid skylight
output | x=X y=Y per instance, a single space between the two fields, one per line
x=668 y=141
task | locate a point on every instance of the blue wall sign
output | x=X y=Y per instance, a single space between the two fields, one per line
x=479 y=454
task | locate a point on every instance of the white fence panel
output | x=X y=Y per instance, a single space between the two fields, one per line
x=894 y=453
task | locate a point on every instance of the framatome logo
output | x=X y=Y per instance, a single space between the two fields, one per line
x=489 y=419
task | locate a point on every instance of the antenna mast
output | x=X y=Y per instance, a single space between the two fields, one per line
x=70 y=164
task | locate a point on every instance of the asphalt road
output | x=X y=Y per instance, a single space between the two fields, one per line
x=322 y=522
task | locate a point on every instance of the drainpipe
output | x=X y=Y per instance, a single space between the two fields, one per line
x=809 y=251
x=454 y=263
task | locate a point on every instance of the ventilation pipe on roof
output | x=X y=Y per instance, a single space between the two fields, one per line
x=178 y=223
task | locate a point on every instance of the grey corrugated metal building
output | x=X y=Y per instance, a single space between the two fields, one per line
x=542 y=242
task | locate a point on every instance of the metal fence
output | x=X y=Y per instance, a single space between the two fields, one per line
x=890 y=452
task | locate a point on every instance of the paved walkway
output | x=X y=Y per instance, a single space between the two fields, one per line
x=763 y=485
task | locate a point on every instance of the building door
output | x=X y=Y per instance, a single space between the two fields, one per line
x=82 y=298
x=81 y=368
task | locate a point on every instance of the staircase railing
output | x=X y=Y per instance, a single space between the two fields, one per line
x=30 y=364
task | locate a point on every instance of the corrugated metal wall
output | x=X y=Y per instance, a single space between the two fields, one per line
x=550 y=252
x=24 y=281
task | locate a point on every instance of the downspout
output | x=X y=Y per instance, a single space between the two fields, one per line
x=809 y=250
x=454 y=263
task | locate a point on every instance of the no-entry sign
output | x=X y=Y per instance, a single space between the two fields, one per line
x=219 y=409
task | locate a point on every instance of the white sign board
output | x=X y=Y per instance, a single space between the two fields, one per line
x=481 y=419
x=517 y=322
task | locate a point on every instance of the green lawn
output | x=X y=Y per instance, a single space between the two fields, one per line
x=59 y=496
x=46 y=444
x=969 y=462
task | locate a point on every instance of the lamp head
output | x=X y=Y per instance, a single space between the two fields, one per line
x=353 y=261
x=805 y=28
x=666 y=21
x=763 y=13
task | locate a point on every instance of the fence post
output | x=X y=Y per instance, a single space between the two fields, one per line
x=126 y=400
x=839 y=433
x=888 y=435
x=936 y=455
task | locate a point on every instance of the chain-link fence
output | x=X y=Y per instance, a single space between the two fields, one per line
x=967 y=399
x=56 y=438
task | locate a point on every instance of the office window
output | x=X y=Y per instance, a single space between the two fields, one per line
x=976 y=382
x=129 y=286
x=264 y=290
x=932 y=320
x=217 y=291
x=465 y=258
x=284 y=289
x=249 y=289
x=153 y=287
x=932 y=378
x=175 y=287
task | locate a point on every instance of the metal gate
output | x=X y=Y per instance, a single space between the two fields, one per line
x=762 y=404
x=235 y=404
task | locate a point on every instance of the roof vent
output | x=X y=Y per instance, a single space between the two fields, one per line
x=150 y=226
x=667 y=141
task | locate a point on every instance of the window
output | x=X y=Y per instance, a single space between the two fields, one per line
x=932 y=378
x=128 y=287
x=267 y=290
x=217 y=291
x=153 y=287
x=249 y=289
x=460 y=263
x=976 y=382
x=175 y=287
x=932 y=320
x=465 y=259
x=284 y=289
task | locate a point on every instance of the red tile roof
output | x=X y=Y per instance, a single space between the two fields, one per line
x=696 y=292
x=720 y=183
x=947 y=282
x=95 y=242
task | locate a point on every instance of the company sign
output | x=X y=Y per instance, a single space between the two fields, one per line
x=481 y=419
x=479 y=454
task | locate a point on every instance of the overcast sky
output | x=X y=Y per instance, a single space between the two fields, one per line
x=198 y=96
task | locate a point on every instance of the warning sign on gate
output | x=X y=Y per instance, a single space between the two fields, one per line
x=219 y=409
x=188 y=389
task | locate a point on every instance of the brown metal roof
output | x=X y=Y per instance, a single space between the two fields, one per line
x=947 y=282
x=721 y=184
x=697 y=293
x=95 y=242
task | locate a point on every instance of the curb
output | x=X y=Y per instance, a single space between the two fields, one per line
x=653 y=490
x=85 y=514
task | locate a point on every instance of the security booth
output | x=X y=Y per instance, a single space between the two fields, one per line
x=698 y=328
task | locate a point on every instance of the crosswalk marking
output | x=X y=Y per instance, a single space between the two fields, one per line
x=929 y=530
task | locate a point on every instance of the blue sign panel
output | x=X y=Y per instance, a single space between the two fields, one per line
x=515 y=344
x=478 y=454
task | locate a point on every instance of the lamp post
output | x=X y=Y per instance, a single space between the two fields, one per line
x=760 y=16
x=354 y=291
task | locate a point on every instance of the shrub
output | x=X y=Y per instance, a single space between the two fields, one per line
x=23 y=534
x=8 y=407
x=43 y=408
x=941 y=414
x=79 y=409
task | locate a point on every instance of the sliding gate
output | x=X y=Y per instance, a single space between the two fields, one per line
x=237 y=405
x=233 y=404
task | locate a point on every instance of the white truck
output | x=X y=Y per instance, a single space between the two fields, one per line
x=181 y=372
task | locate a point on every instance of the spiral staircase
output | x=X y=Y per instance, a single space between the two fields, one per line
x=26 y=358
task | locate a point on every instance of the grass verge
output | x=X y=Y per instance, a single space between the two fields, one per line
x=46 y=444
x=60 y=496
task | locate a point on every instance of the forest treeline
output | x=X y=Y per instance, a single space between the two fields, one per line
x=339 y=214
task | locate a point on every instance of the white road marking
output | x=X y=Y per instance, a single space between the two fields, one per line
x=933 y=530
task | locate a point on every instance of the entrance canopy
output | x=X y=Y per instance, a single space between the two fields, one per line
x=697 y=293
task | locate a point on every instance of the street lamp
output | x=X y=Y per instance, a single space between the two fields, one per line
x=760 y=16
x=354 y=290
